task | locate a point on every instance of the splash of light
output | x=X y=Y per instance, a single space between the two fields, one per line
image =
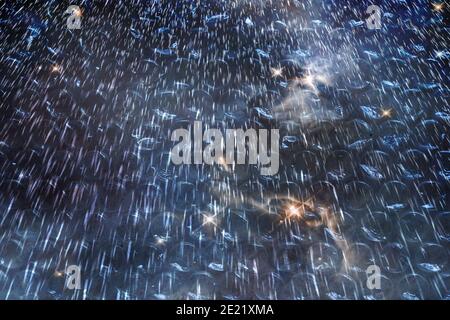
x=276 y=72
x=386 y=113
x=56 y=68
x=438 y=6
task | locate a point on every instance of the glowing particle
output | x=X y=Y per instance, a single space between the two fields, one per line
x=386 y=113
x=276 y=72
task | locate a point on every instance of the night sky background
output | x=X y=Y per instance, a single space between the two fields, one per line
x=86 y=178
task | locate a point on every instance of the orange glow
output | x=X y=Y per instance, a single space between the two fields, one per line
x=276 y=72
x=386 y=113
x=438 y=6
x=56 y=68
